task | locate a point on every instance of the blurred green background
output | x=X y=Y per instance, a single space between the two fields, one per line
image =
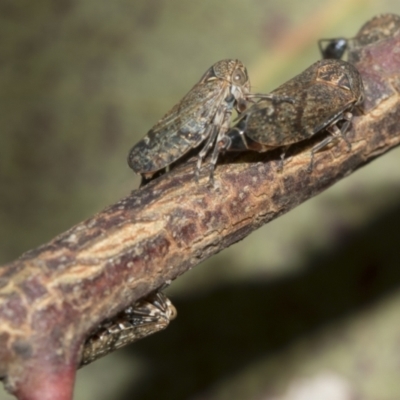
x=309 y=304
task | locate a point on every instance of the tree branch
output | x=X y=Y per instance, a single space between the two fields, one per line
x=52 y=296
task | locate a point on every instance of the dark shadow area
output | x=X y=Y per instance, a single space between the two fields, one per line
x=218 y=333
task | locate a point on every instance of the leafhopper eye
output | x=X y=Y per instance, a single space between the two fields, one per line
x=239 y=77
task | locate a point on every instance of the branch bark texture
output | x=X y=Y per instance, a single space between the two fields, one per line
x=52 y=296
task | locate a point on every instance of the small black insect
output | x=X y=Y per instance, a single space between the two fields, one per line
x=333 y=48
x=378 y=28
x=145 y=317
x=203 y=115
x=324 y=96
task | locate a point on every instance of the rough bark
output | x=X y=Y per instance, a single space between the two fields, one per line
x=52 y=296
